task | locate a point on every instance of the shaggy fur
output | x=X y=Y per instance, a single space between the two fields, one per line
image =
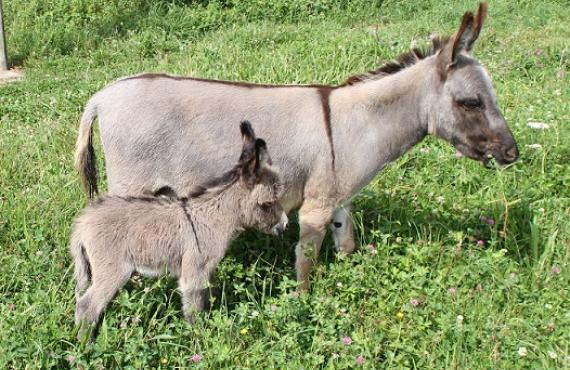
x=116 y=236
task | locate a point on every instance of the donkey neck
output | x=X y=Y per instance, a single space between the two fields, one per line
x=376 y=121
x=217 y=216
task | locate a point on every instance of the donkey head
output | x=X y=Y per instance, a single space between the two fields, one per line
x=465 y=106
x=262 y=187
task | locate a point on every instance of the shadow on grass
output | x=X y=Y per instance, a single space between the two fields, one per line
x=513 y=229
x=389 y=215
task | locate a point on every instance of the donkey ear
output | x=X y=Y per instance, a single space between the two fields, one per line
x=479 y=20
x=248 y=138
x=462 y=40
x=463 y=37
x=247 y=133
x=262 y=155
x=251 y=170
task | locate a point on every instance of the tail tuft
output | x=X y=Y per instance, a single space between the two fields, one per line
x=85 y=159
x=90 y=169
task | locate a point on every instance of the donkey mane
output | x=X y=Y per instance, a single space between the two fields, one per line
x=215 y=186
x=403 y=61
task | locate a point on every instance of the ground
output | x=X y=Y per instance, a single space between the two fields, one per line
x=10 y=75
x=459 y=266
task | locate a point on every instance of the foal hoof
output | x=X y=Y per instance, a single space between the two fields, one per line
x=86 y=334
x=189 y=317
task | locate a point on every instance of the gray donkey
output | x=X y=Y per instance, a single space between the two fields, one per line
x=168 y=132
x=116 y=236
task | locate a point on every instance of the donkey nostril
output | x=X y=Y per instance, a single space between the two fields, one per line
x=512 y=154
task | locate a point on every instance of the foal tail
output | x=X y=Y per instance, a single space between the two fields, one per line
x=82 y=265
x=85 y=160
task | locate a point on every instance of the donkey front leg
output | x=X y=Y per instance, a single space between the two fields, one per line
x=195 y=274
x=342 y=229
x=313 y=221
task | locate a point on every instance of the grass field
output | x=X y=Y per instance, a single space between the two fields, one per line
x=422 y=292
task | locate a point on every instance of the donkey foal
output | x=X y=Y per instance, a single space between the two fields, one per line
x=116 y=236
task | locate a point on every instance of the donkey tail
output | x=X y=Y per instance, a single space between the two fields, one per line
x=85 y=160
x=82 y=265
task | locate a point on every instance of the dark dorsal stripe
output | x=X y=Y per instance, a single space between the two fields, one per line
x=325 y=103
x=248 y=85
x=184 y=205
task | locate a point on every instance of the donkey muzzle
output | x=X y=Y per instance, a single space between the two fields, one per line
x=511 y=154
x=282 y=226
x=505 y=154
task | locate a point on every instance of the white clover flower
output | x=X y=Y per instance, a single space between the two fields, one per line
x=538 y=125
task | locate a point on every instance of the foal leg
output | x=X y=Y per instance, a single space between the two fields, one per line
x=313 y=221
x=103 y=288
x=194 y=275
x=342 y=229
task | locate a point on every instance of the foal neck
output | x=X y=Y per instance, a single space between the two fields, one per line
x=219 y=210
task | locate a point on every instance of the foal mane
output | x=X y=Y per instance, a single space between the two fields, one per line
x=215 y=186
x=403 y=61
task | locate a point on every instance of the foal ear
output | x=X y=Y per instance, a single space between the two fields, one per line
x=247 y=133
x=248 y=138
x=261 y=155
x=251 y=171
x=248 y=159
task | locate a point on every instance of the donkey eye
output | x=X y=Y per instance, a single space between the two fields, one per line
x=470 y=103
x=266 y=206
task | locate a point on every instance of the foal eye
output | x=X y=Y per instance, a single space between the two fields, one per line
x=470 y=103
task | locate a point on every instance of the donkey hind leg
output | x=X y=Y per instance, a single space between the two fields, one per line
x=313 y=221
x=82 y=267
x=90 y=306
x=343 y=233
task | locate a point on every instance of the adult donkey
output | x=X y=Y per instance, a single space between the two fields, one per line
x=168 y=132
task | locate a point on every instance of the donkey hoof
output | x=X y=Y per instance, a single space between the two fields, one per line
x=189 y=317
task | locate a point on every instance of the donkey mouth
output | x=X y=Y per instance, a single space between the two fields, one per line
x=486 y=157
x=466 y=151
x=490 y=161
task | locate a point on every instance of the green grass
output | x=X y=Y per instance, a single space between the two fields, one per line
x=422 y=213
